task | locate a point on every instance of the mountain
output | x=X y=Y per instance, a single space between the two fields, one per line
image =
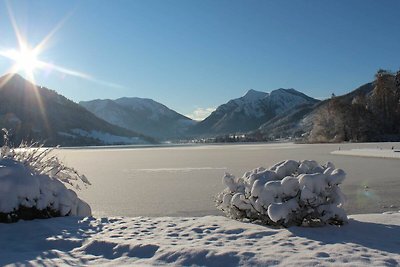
x=299 y=121
x=369 y=113
x=293 y=123
x=36 y=113
x=142 y=115
x=250 y=111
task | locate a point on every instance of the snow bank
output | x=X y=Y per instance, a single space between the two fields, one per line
x=367 y=240
x=290 y=192
x=21 y=188
x=376 y=153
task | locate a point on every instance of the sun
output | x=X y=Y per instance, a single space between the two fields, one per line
x=25 y=59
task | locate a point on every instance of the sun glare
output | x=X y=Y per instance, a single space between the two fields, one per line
x=24 y=60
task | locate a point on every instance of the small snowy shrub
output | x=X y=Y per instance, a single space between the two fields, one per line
x=33 y=184
x=288 y=193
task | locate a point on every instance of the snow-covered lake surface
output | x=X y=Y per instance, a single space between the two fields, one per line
x=183 y=180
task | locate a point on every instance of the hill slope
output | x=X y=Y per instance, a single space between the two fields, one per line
x=36 y=113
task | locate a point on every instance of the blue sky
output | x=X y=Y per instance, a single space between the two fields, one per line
x=193 y=55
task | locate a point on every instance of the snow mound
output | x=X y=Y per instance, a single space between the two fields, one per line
x=288 y=193
x=24 y=194
x=33 y=185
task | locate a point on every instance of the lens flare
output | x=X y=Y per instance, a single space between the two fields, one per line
x=26 y=57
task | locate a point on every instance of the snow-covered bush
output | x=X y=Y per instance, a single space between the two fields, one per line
x=33 y=184
x=288 y=193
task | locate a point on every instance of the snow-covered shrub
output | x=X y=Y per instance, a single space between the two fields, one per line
x=288 y=193
x=34 y=184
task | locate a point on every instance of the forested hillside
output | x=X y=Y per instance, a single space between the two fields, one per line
x=363 y=115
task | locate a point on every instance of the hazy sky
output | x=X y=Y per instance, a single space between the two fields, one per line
x=193 y=55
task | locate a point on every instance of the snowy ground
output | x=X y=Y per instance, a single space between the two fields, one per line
x=375 y=153
x=206 y=241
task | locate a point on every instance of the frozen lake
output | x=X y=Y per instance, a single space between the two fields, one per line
x=182 y=180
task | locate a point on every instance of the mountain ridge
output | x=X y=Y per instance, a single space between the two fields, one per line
x=37 y=113
x=281 y=113
x=250 y=111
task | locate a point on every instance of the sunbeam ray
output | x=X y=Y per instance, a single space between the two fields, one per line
x=42 y=45
x=14 y=24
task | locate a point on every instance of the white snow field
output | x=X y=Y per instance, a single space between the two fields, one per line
x=184 y=180
x=371 y=240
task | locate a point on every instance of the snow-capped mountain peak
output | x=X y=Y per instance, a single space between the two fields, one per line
x=252 y=110
x=253 y=95
x=285 y=99
x=154 y=109
x=141 y=114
